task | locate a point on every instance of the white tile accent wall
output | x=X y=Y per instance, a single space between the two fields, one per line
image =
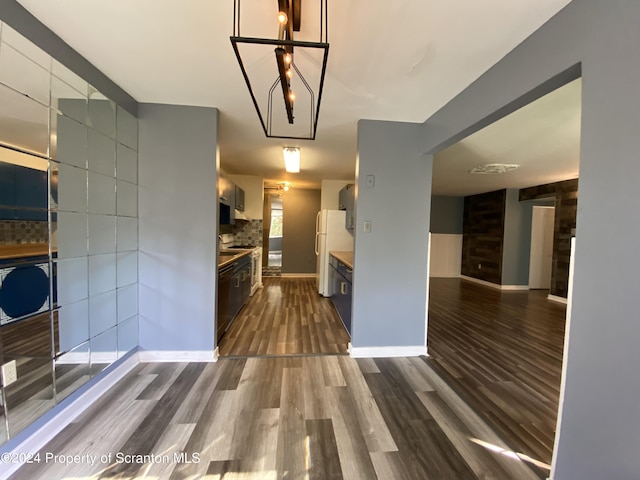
x=127 y=234
x=102 y=234
x=71 y=142
x=127 y=199
x=73 y=280
x=72 y=189
x=127 y=268
x=102 y=312
x=102 y=194
x=127 y=331
x=72 y=234
x=72 y=323
x=127 y=302
x=127 y=164
x=102 y=154
x=102 y=273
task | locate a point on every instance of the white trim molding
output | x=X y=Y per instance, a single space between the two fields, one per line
x=38 y=439
x=556 y=298
x=506 y=288
x=514 y=288
x=384 y=352
x=160 y=356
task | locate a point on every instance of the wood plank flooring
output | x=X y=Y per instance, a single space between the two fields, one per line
x=304 y=417
x=489 y=389
x=502 y=353
x=285 y=317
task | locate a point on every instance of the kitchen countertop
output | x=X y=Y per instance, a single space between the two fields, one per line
x=228 y=256
x=344 y=257
x=23 y=250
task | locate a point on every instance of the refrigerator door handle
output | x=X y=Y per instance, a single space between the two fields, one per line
x=318 y=223
x=317 y=245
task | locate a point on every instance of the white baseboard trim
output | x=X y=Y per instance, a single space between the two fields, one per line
x=452 y=275
x=159 y=356
x=505 y=288
x=514 y=288
x=298 y=275
x=383 y=352
x=555 y=298
x=36 y=441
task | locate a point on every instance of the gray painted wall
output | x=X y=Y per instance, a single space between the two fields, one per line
x=299 y=210
x=178 y=163
x=390 y=266
x=599 y=425
x=516 y=248
x=446 y=214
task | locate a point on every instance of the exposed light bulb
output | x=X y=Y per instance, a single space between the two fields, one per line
x=287 y=58
x=292 y=96
x=286 y=187
x=282 y=18
x=289 y=74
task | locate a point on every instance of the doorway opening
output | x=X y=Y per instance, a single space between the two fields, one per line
x=272 y=235
x=541 y=254
x=494 y=334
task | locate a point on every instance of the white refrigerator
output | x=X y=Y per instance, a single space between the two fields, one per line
x=331 y=236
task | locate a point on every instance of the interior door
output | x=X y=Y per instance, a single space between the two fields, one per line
x=541 y=259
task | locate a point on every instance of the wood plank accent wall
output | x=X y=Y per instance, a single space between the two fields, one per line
x=566 y=196
x=483 y=236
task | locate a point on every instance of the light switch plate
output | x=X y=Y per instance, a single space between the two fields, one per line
x=371 y=181
x=366 y=226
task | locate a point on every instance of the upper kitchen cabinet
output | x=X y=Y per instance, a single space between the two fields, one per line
x=249 y=196
x=239 y=193
x=226 y=190
x=227 y=199
x=347 y=201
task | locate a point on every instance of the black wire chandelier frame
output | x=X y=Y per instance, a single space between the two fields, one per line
x=284 y=48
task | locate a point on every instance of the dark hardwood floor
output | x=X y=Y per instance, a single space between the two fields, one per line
x=285 y=317
x=502 y=353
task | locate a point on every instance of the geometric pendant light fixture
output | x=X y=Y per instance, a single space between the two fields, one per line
x=284 y=75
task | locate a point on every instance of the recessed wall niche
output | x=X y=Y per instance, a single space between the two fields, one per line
x=68 y=229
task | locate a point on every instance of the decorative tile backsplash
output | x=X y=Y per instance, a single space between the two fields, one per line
x=23 y=231
x=246 y=232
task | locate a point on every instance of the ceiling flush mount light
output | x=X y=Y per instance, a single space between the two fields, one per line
x=493 y=168
x=291 y=159
x=295 y=113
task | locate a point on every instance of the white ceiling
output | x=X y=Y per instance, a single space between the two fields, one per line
x=399 y=61
x=542 y=137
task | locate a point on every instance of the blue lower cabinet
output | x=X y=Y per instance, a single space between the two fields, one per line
x=341 y=295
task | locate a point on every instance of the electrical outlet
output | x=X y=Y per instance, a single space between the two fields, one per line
x=9 y=373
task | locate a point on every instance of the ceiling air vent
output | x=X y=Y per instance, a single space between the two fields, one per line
x=493 y=168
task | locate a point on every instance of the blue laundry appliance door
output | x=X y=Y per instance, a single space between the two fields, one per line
x=24 y=291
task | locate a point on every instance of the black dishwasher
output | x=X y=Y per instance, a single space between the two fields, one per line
x=225 y=276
